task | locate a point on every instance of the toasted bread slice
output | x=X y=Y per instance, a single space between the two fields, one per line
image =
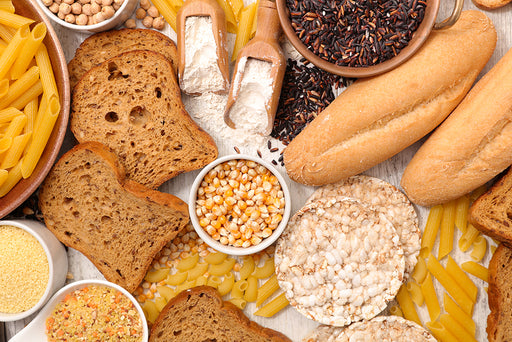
x=104 y=45
x=499 y=321
x=118 y=224
x=132 y=104
x=199 y=314
x=491 y=213
x=490 y=4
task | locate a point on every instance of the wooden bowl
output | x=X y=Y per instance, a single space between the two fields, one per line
x=418 y=38
x=26 y=187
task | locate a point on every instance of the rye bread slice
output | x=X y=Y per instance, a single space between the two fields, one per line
x=104 y=45
x=491 y=213
x=132 y=104
x=118 y=224
x=499 y=321
x=199 y=314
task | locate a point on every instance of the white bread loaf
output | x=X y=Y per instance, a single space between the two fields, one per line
x=471 y=147
x=375 y=118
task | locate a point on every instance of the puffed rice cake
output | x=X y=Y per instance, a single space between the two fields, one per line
x=381 y=328
x=339 y=261
x=388 y=200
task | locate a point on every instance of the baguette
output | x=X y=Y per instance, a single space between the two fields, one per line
x=471 y=147
x=375 y=118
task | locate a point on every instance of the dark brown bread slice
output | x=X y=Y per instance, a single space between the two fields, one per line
x=118 y=224
x=491 y=213
x=199 y=314
x=132 y=104
x=104 y=45
x=499 y=321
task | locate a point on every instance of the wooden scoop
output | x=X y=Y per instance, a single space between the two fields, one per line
x=204 y=8
x=264 y=46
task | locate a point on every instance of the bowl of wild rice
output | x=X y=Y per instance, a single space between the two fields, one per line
x=360 y=38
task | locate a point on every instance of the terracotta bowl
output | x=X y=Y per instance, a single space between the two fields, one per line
x=26 y=187
x=415 y=43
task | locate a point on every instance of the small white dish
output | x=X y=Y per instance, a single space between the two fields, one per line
x=121 y=15
x=35 y=331
x=232 y=250
x=57 y=263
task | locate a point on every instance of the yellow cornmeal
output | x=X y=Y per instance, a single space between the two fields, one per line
x=24 y=270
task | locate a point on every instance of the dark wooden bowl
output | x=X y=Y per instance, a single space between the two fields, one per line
x=26 y=187
x=415 y=43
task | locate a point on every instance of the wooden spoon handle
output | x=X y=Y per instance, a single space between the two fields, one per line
x=268 y=25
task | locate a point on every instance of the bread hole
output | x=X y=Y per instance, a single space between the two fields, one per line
x=139 y=116
x=160 y=334
x=153 y=74
x=178 y=147
x=68 y=233
x=105 y=219
x=119 y=272
x=87 y=165
x=92 y=105
x=509 y=214
x=158 y=92
x=162 y=132
x=111 y=117
x=85 y=178
x=67 y=200
x=106 y=45
x=176 y=333
x=76 y=214
x=193 y=160
x=132 y=144
x=139 y=156
x=114 y=72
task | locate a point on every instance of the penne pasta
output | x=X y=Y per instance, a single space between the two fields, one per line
x=266 y=270
x=13 y=177
x=3 y=176
x=415 y=293
x=7 y=6
x=458 y=314
x=462 y=279
x=479 y=248
x=22 y=85
x=455 y=328
x=251 y=293
x=273 y=307
x=451 y=286
x=12 y=50
x=167 y=11
x=247 y=267
x=28 y=96
x=447 y=229
x=467 y=239
x=6 y=33
x=407 y=306
x=244 y=29
x=230 y=17
x=15 y=126
x=420 y=270
x=461 y=213
x=176 y=4
x=4 y=87
x=432 y=226
x=236 y=7
x=267 y=289
x=440 y=332
x=34 y=40
x=254 y=26
x=13 y=154
x=238 y=302
x=476 y=269
x=396 y=311
x=429 y=293
x=46 y=71
x=14 y=20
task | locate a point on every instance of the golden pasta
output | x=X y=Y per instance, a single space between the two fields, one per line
x=244 y=29
x=462 y=279
x=420 y=270
x=447 y=229
x=440 y=332
x=407 y=306
x=238 y=302
x=396 y=311
x=14 y=20
x=251 y=293
x=188 y=263
x=273 y=307
x=230 y=17
x=227 y=284
x=13 y=50
x=239 y=288
x=22 y=85
x=415 y=293
x=223 y=268
x=455 y=328
x=476 y=269
x=215 y=258
x=267 y=289
x=429 y=293
x=266 y=270
x=176 y=279
x=432 y=226
x=461 y=213
x=247 y=267
x=458 y=314
x=35 y=38
x=479 y=248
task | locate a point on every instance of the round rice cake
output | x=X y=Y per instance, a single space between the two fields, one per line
x=388 y=200
x=339 y=261
x=381 y=328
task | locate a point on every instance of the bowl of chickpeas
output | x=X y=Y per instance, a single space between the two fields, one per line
x=239 y=204
x=88 y=15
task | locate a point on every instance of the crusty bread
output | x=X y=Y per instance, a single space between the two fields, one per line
x=471 y=147
x=499 y=321
x=104 y=45
x=199 y=314
x=490 y=4
x=118 y=224
x=491 y=212
x=375 y=118
x=132 y=103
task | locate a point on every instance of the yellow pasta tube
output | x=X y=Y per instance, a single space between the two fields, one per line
x=244 y=29
x=202 y=280
x=451 y=286
x=24 y=83
x=6 y=33
x=7 y=114
x=415 y=293
x=255 y=20
x=266 y=270
x=462 y=279
x=227 y=284
x=455 y=328
x=215 y=258
x=431 y=228
x=479 y=248
x=221 y=269
x=176 y=278
x=5 y=144
x=440 y=332
x=166 y=292
x=236 y=7
x=197 y=271
x=12 y=50
x=3 y=176
x=396 y=311
x=239 y=288
x=176 y=4
x=46 y=71
x=447 y=229
x=30 y=47
x=160 y=303
x=407 y=306
x=251 y=293
x=150 y=310
x=420 y=270
x=40 y=137
x=427 y=288
x=230 y=17
x=467 y=239
x=16 y=126
x=7 y=6
x=214 y=281
x=13 y=177
x=461 y=213
x=157 y=275
x=14 y=20
x=167 y=11
x=273 y=307
x=456 y=312
x=238 y=302
x=476 y=269
x=267 y=289
x=247 y=267
x=28 y=96
x=14 y=153
x=188 y=263
x=4 y=87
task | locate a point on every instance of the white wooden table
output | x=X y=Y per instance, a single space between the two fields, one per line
x=289 y=321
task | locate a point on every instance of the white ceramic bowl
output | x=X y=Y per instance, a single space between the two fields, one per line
x=57 y=262
x=35 y=331
x=231 y=250
x=120 y=16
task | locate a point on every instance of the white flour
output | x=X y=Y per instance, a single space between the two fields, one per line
x=254 y=84
x=201 y=73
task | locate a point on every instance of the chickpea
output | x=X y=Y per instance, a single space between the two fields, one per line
x=95 y=8
x=69 y=2
x=145 y=4
x=82 y=19
x=47 y=3
x=54 y=8
x=159 y=23
x=147 y=22
x=99 y=17
x=130 y=23
x=86 y=10
x=76 y=8
x=153 y=12
x=61 y=15
x=91 y=20
x=70 y=18
x=140 y=13
x=106 y=2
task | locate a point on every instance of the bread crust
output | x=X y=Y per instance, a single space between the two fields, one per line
x=226 y=308
x=375 y=118
x=471 y=147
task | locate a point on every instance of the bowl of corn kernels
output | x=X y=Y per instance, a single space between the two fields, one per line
x=239 y=204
